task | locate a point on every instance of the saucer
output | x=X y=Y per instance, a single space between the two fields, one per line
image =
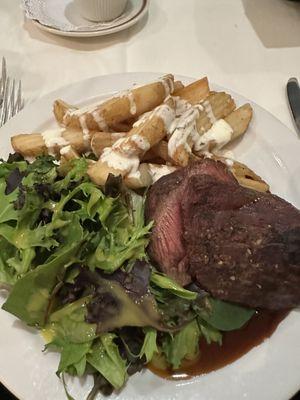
x=61 y=17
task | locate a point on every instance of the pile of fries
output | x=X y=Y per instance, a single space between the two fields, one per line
x=147 y=132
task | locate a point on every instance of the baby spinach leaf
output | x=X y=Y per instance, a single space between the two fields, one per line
x=225 y=316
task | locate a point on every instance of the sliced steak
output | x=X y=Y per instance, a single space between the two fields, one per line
x=240 y=245
x=163 y=206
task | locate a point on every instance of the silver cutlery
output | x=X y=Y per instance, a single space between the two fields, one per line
x=293 y=94
x=11 y=101
x=2 y=80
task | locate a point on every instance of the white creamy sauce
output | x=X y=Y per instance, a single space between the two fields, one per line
x=52 y=138
x=141 y=142
x=227 y=154
x=65 y=150
x=128 y=145
x=219 y=135
x=30 y=159
x=209 y=111
x=100 y=121
x=157 y=171
x=117 y=135
x=166 y=113
x=168 y=84
x=116 y=160
x=181 y=106
x=132 y=103
x=86 y=109
x=134 y=175
x=85 y=131
x=130 y=97
x=229 y=162
x=183 y=130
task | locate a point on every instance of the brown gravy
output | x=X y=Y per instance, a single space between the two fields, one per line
x=235 y=344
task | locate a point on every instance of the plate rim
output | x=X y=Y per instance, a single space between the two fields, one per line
x=84 y=81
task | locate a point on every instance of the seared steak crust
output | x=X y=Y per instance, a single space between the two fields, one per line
x=240 y=245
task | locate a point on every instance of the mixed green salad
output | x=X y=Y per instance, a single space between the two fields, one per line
x=73 y=258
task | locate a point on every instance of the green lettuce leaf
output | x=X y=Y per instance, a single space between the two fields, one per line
x=6 y=168
x=7 y=212
x=123 y=236
x=164 y=282
x=149 y=347
x=73 y=357
x=210 y=333
x=183 y=345
x=31 y=294
x=105 y=358
x=7 y=252
x=68 y=325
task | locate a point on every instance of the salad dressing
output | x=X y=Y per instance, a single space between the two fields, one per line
x=168 y=84
x=219 y=134
x=53 y=138
x=100 y=121
x=235 y=345
x=85 y=131
x=209 y=111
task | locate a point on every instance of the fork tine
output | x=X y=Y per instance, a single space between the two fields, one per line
x=3 y=69
x=5 y=104
x=3 y=75
x=19 y=104
x=11 y=101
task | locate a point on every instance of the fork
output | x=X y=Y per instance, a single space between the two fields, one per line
x=12 y=101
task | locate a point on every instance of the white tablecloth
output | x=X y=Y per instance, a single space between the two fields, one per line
x=251 y=46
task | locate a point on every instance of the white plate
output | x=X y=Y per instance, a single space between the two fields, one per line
x=65 y=13
x=268 y=372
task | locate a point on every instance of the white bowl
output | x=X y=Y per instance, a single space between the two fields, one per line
x=101 y=10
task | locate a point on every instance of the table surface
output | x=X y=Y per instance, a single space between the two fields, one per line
x=251 y=46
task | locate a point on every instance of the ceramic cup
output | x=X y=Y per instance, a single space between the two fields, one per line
x=101 y=10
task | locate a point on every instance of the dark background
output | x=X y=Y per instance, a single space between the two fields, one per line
x=5 y=395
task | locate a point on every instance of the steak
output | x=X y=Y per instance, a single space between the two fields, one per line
x=239 y=245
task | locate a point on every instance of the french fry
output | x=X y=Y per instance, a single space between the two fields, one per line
x=29 y=145
x=149 y=131
x=124 y=156
x=195 y=92
x=121 y=107
x=178 y=85
x=217 y=105
x=239 y=120
x=243 y=174
x=67 y=153
x=160 y=150
x=99 y=171
x=147 y=174
x=50 y=142
x=60 y=108
x=259 y=186
x=194 y=130
x=225 y=130
x=142 y=178
x=248 y=178
x=101 y=140
x=124 y=126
